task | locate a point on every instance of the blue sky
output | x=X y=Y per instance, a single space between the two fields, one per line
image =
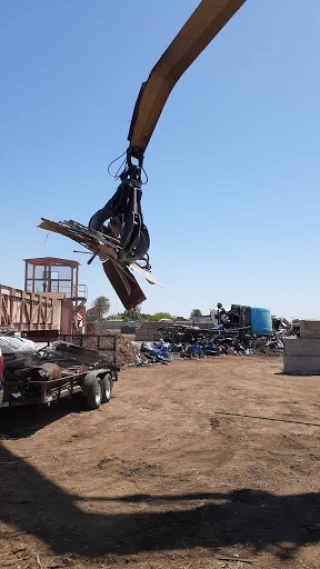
x=232 y=203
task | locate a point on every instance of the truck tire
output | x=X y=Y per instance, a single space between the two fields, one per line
x=93 y=393
x=106 y=384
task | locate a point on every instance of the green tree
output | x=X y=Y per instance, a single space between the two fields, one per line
x=92 y=314
x=159 y=315
x=132 y=314
x=144 y=316
x=195 y=313
x=117 y=316
x=99 y=308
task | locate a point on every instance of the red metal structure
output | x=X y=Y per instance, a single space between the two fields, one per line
x=50 y=275
x=30 y=312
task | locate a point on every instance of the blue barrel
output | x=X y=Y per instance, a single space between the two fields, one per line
x=261 y=322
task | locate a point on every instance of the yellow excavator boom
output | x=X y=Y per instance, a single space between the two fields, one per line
x=124 y=243
x=203 y=25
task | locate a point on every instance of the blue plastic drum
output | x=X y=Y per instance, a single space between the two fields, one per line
x=261 y=321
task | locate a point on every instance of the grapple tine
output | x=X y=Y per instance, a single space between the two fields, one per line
x=128 y=299
x=127 y=230
x=133 y=242
x=143 y=246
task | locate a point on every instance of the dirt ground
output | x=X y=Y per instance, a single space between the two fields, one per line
x=198 y=464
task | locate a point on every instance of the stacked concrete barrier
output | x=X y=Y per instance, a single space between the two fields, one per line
x=302 y=355
x=148 y=331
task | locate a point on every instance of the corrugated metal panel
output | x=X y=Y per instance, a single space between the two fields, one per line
x=24 y=311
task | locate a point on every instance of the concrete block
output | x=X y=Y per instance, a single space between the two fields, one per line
x=294 y=365
x=301 y=347
x=310 y=329
x=153 y=325
x=147 y=336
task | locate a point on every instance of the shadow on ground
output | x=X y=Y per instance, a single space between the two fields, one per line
x=245 y=518
x=22 y=422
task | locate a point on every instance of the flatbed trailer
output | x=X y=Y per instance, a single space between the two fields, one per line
x=95 y=383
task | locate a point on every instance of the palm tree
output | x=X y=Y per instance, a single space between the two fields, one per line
x=99 y=308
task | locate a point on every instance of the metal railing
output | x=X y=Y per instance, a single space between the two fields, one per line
x=102 y=343
x=64 y=286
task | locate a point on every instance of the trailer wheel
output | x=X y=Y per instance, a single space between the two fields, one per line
x=94 y=393
x=106 y=384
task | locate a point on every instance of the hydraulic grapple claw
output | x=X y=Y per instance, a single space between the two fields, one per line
x=124 y=213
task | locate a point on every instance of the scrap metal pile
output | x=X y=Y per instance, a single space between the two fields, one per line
x=109 y=249
x=192 y=342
